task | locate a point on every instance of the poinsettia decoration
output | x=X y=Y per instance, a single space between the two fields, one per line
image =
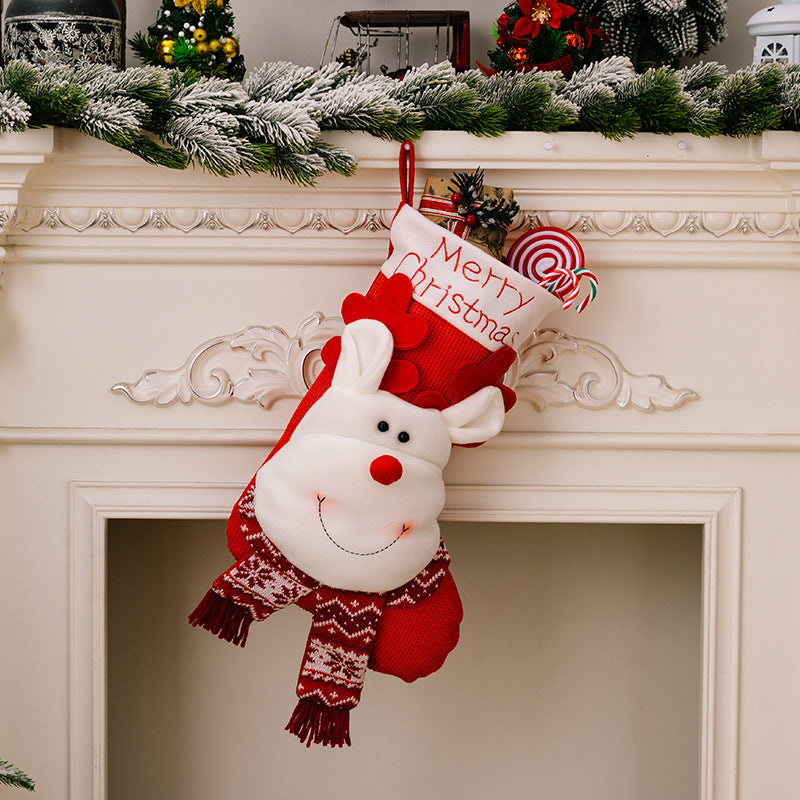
x=537 y=13
x=547 y=35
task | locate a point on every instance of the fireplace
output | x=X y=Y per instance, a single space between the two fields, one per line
x=585 y=647
x=158 y=329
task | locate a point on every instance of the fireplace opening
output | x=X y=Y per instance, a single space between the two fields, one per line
x=578 y=674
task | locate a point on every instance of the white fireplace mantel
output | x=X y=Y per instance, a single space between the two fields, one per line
x=158 y=327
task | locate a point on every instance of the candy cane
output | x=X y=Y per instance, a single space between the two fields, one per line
x=585 y=273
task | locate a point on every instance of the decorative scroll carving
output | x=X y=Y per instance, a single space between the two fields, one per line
x=263 y=365
x=555 y=369
x=255 y=365
x=601 y=224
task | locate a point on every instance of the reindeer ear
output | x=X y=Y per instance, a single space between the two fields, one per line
x=476 y=418
x=366 y=351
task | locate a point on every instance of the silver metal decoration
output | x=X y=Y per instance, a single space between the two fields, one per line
x=57 y=32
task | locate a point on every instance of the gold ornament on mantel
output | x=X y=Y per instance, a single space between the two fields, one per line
x=164 y=50
x=198 y=5
x=230 y=48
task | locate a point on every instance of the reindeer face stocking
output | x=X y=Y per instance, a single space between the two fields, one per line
x=342 y=516
x=353 y=498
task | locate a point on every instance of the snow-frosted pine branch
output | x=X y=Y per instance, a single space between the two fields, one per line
x=15 y=113
x=280 y=122
x=12 y=776
x=279 y=80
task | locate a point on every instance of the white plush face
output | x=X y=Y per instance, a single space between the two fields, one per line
x=353 y=498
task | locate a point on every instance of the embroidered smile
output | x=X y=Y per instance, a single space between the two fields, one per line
x=321 y=500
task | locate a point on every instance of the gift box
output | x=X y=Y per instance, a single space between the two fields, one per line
x=437 y=205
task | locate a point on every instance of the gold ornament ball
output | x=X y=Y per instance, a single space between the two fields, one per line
x=215 y=45
x=231 y=48
x=200 y=35
x=165 y=47
x=201 y=48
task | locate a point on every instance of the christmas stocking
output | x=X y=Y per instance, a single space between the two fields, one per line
x=342 y=516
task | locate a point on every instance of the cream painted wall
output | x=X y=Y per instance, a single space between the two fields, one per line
x=577 y=676
x=296 y=31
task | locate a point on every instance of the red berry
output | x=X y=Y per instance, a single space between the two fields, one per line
x=471 y=220
x=456 y=198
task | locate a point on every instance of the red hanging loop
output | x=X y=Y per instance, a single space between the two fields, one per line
x=407 y=173
x=406 y=179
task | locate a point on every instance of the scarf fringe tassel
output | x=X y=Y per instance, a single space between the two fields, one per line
x=222 y=617
x=319 y=724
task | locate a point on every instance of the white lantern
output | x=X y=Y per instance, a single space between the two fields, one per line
x=777 y=33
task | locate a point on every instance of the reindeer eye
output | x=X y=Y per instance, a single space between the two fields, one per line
x=403 y=437
x=383 y=426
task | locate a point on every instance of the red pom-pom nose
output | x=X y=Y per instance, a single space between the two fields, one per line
x=386 y=470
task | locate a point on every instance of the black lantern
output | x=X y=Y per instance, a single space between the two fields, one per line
x=63 y=31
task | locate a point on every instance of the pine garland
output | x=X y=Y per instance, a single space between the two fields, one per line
x=275 y=120
x=594 y=91
x=533 y=101
x=450 y=101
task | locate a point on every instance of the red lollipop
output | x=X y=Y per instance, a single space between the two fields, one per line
x=554 y=259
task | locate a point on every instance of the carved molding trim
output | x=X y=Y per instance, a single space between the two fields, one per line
x=263 y=365
x=186 y=220
x=600 y=224
x=665 y=223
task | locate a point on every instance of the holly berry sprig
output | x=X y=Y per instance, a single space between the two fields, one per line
x=478 y=208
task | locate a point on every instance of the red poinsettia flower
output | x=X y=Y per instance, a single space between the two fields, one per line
x=536 y=13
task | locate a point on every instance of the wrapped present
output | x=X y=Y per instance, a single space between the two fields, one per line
x=464 y=205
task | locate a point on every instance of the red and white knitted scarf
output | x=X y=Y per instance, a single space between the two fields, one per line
x=344 y=629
